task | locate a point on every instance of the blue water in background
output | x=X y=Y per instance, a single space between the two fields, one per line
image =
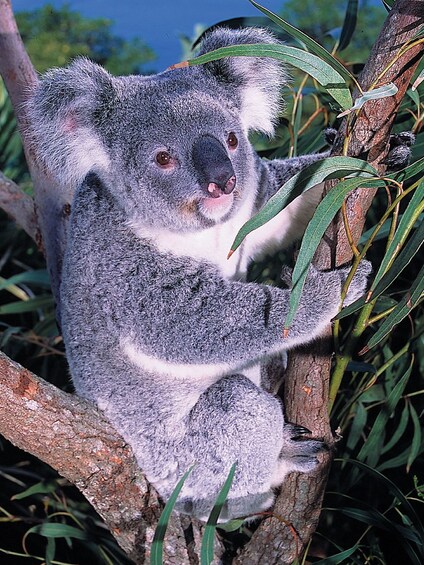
x=159 y=23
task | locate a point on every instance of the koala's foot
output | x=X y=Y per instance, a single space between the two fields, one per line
x=400 y=150
x=359 y=283
x=298 y=452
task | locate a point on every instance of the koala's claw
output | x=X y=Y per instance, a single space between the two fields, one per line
x=299 y=431
x=286 y=276
x=330 y=135
x=403 y=138
x=399 y=154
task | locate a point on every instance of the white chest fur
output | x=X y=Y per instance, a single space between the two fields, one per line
x=211 y=244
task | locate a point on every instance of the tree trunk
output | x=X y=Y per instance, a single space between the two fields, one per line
x=74 y=438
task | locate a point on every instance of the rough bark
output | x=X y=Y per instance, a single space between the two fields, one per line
x=96 y=459
x=307 y=378
x=51 y=201
x=19 y=206
x=71 y=436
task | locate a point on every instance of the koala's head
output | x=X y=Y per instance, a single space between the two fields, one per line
x=174 y=146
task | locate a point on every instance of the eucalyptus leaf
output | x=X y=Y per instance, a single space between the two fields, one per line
x=310 y=43
x=30 y=305
x=402 y=261
x=399 y=431
x=370 y=451
x=39 y=278
x=56 y=530
x=374 y=94
x=156 y=552
x=395 y=491
x=407 y=221
x=328 y=168
x=324 y=214
x=38 y=488
x=349 y=24
x=208 y=540
x=416 y=438
x=338 y=558
x=357 y=427
x=412 y=297
x=376 y=518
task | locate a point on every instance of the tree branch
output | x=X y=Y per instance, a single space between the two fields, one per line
x=75 y=439
x=308 y=373
x=19 y=206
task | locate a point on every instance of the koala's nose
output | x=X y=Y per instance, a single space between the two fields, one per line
x=214 y=169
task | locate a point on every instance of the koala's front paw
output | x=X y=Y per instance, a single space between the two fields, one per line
x=330 y=136
x=400 y=150
x=359 y=282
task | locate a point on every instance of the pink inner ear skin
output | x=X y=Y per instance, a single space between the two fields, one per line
x=70 y=124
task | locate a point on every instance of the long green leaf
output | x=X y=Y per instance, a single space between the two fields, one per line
x=409 y=217
x=338 y=558
x=370 y=451
x=402 y=261
x=357 y=427
x=38 y=488
x=416 y=168
x=28 y=305
x=207 y=548
x=321 y=71
x=156 y=553
x=329 y=168
x=384 y=91
x=395 y=490
x=39 y=277
x=310 y=43
x=385 y=230
x=403 y=309
x=325 y=212
x=376 y=518
x=54 y=530
x=416 y=438
x=399 y=431
x=349 y=24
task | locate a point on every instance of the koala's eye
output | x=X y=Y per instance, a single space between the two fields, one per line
x=164 y=159
x=232 y=140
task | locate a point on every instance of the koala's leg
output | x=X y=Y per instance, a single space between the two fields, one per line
x=234 y=421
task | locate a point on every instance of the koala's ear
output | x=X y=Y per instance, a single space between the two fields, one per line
x=257 y=80
x=64 y=113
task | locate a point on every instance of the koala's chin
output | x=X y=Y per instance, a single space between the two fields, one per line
x=216 y=209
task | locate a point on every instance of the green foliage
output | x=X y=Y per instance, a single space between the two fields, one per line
x=208 y=540
x=12 y=161
x=54 y=36
x=327 y=23
x=156 y=555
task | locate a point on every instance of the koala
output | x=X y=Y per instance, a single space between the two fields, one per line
x=162 y=332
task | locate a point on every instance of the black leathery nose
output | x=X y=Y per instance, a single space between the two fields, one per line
x=213 y=166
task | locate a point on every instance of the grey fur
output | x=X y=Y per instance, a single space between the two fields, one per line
x=160 y=331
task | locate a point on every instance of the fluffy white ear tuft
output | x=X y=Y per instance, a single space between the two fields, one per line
x=256 y=80
x=61 y=113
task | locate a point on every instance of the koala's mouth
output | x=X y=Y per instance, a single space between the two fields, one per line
x=216 y=208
